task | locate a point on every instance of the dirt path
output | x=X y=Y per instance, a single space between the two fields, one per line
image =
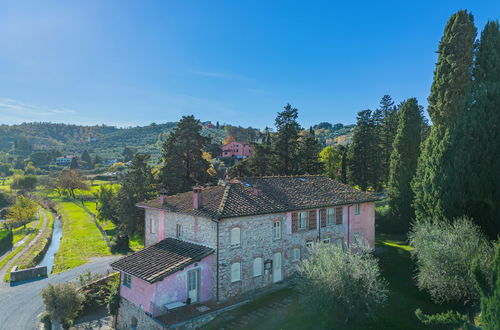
x=9 y=264
x=18 y=243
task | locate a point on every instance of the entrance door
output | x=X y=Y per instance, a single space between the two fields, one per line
x=277 y=267
x=193 y=281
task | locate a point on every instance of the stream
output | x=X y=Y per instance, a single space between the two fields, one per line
x=48 y=259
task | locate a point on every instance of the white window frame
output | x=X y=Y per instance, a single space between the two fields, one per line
x=327 y=240
x=303 y=220
x=127 y=280
x=277 y=230
x=235 y=239
x=330 y=217
x=152 y=225
x=235 y=272
x=258 y=266
x=295 y=254
x=357 y=209
x=178 y=230
x=309 y=243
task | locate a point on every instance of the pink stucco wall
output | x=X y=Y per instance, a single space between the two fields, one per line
x=234 y=149
x=171 y=289
x=363 y=223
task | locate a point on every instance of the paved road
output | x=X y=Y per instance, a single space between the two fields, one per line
x=21 y=305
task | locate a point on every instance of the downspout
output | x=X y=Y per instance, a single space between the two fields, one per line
x=348 y=224
x=318 y=223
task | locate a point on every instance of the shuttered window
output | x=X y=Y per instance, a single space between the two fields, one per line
x=127 y=280
x=302 y=220
x=295 y=222
x=295 y=254
x=357 y=209
x=235 y=272
x=322 y=217
x=338 y=215
x=257 y=266
x=312 y=220
x=330 y=215
x=277 y=229
x=178 y=230
x=235 y=237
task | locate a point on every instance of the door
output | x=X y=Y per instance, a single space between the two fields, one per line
x=277 y=267
x=193 y=280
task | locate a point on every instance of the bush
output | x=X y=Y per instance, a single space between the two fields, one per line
x=120 y=243
x=340 y=284
x=444 y=253
x=46 y=321
x=27 y=182
x=6 y=238
x=62 y=302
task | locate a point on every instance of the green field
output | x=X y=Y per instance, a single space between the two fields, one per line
x=20 y=232
x=81 y=239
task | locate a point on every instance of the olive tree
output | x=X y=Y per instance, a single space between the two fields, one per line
x=62 y=302
x=339 y=283
x=444 y=252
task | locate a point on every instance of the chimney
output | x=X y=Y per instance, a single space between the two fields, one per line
x=197 y=198
x=163 y=196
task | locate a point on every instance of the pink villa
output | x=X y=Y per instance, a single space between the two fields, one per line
x=237 y=150
x=206 y=248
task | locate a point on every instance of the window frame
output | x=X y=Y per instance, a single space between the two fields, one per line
x=277 y=230
x=357 y=209
x=260 y=266
x=236 y=264
x=304 y=219
x=231 y=244
x=326 y=240
x=178 y=230
x=309 y=243
x=152 y=225
x=296 y=256
x=127 y=280
x=330 y=217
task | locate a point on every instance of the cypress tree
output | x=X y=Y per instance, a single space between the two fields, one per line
x=403 y=162
x=361 y=155
x=388 y=128
x=308 y=155
x=478 y=139
x=450 y=97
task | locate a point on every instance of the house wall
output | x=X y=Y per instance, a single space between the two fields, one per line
x=363 y=224
x=194 y=229
x=235 y=149
x=151 y=297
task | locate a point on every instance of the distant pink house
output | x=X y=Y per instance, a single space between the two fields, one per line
x=213 y=244
x=237 y=150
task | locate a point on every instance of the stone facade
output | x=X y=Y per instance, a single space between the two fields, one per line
x=130 y=315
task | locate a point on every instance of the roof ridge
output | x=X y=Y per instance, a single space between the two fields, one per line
x=223 y=200
x=280 y=176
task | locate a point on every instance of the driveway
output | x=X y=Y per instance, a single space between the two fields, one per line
x=21 y=305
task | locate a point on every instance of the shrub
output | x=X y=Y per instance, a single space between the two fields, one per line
x=113 y=299
x=46 y=321
x=62 y=302
x=340 y=284
x=444 y=253
x=6 y=238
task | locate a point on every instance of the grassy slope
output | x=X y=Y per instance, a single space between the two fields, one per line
x=81 y=239
x=20 y=232
x=398 y=313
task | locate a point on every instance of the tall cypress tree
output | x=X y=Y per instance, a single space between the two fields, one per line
x=450 y=97
x=308 y=154
x=286 y=141
x=361 y=161
x=403 y=162
x=183 y=163
x=388 y=128
x=477 y=158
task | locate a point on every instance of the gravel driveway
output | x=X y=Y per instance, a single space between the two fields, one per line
x=21 y=305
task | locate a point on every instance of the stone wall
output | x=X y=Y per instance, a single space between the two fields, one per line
x=27 y=274
x=128 y=311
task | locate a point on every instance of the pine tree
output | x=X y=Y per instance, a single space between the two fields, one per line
x=449 y=99
x=286 y=141
x=477 y=158
x=388 y=128
x=184 y=165
x=74 y=164
x=403 y=162
x=86 y=159
x=308 y=155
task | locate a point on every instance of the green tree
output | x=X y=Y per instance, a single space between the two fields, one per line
x=308 y=154
x=22 y=212
x=69 y=181
x=86 y=160
x=341 y=284
x=331 y=158
x=183 y=162
x=107 y=207
x=62 y=302
x=403 y=163
x=128 y=153
x=387 y=133
x=435 y=185
x=138 y=185
x=74 y=164
x=286 y=141
x=24 y=182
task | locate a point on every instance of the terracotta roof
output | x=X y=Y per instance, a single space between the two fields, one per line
x=157 y=261
x=263 y=195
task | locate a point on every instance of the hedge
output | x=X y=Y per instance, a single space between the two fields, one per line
x=6 y=238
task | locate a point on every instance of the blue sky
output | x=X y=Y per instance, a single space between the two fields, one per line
x=129 y=63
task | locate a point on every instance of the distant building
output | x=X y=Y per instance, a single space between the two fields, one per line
x=109 y=162
x=237 y=150
x=64 y=160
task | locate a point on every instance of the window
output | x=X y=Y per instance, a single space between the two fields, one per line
x=309 y=243
x=235 y=237
x=235 y=272
x=330 y=217
x=326 y=240
x=257 y=267
x=302 y=220
x=277 y=229
x=357 y=209
x=127 y=280
x=357 y=238
x=178 y=230
x=295 y=254
x=152 y=225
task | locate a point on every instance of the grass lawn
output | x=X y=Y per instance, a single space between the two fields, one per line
x=136 y=242
x=398 y=313
x=81 y=240
x=20 y=232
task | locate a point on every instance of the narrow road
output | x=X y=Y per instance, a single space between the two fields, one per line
x=9 y=264
x=21 y=305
